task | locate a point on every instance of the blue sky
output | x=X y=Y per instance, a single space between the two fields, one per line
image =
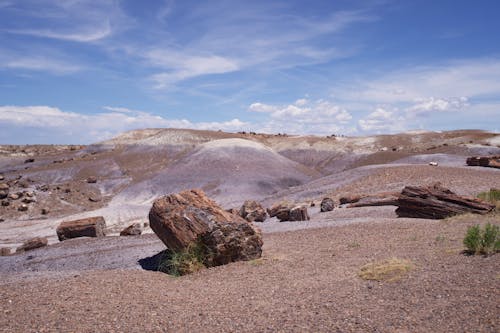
x=83 y=71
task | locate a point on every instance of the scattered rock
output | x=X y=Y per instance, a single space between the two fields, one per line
x=3 y=194
x=4 y=251
x=67 y=190
x=2 y=177
x=92 y=180
x=484 y=161
x=132 y=230
x=276 y=208
x=88 y=227
x=95 y=198
x=43 y=188
x=13 y=196
x=252 y=211
x=437 y=202
x=327 y=205
x=5 y=203
x=349 y=199
x=29 y=160
x=182 y=219
x=45 y=211
x=381 y=199
x=312 y=204
x=22 y=208
x=298 y=213
x=33 y=243
x=28 y=200
x=433 y=163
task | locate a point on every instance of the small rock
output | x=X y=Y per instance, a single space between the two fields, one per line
x=4 y=251
x=67 y=190
x=433 y=163
x=33 y=243
x=95 y=198
x=45 y=211
x=29 y=160
x=2 y=177
x=327 y=205
x=13 y=196
x=30 y=194
x=132 y=230
x=22 y=208
x=92 y=180
x=43 y=188
x=3 y=194
x=4 y=187
x=5 y=203
x=28 y=200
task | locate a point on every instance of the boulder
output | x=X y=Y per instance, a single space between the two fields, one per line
x=4 y=251
x=33 y=243
x=327 y=205
x=190 y=217
x=298 y=213
x=275 y=209
x=132 y=230
x=252 y=211
x=437 y=202
x=88 y=227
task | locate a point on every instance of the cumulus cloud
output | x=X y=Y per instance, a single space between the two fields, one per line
x=304 y=117
x=382 y=120
x=54 y=125
x=431 y=104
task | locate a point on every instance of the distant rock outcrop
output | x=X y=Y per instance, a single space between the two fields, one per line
x=327 y=205
x=437 y=202
x=190 y=217
x=33 y=243
x=484 y=161
x=252 y=211
x=88 y=227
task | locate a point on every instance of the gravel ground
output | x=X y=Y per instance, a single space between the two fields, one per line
x=306 y=281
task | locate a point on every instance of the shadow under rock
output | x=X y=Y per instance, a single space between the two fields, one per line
x=153 y=263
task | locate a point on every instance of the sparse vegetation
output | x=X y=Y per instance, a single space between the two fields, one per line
x=187 y=261
x=486 y=241
x=388 y=270
x=493 y=196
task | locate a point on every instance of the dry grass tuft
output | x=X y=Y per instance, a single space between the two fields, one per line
x=387 y=270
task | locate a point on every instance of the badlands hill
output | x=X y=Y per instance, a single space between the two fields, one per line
x=138 y=166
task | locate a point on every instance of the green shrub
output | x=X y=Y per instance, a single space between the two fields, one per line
x=485 y=241
x=189 y=260
x=493 y=196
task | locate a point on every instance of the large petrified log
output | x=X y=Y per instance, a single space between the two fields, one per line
x=252 y=211
x=285 y=212
x=187 y=218
x=33 y=243
x=484 y=161
x=437 y=202
x=88 y=227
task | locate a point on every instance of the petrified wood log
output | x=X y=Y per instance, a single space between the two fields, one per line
x=437 y=202
x=484 y=161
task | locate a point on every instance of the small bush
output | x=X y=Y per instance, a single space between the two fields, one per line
x=485 y=241
x=189 y=260
x=492 y=196
x=388 y=270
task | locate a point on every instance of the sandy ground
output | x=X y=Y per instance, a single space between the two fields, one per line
x=306 y=281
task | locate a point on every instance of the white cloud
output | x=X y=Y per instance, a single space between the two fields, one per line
x=181 y=66
x=431 y=104
x=304 y=117
x=39 y=64
x=56 y=125
x=381 y=121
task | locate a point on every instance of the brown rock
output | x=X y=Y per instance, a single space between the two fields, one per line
x=182 y=219
x=33 y=243
x=3 y=194
x=381 y=199
x=437 y=202
x=484 y=161
x=327 y=205
x=298 y=213
x=4 y=251
x=277 y=208
x=92 y=180
x=29 y=160
x=28 y=200
x=349 y=199
x=22 y=208
x=5 y=203
x=4 y=187
x=132 y=230
x=252 y=211
x=45 y=211
x=13 y=196
x=88 y=227
x=2 y=177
